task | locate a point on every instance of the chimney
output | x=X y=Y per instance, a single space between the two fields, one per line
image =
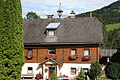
x=72 y=14
x=50 y=16
x=91 y=15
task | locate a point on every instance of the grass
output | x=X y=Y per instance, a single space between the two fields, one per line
x=104 y=78
x=112 y=26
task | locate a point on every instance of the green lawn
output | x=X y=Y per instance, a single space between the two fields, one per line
x=104 y=78
x=112 y=26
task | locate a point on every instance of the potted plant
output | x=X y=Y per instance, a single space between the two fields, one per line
x=39 y=76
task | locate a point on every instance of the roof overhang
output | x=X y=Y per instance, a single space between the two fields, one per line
x=62 y=43
x=53 y=60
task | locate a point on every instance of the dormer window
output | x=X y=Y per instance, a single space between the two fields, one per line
x=51 y=29
x=51 y=32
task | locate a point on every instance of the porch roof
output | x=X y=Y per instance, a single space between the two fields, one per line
x=53 y=60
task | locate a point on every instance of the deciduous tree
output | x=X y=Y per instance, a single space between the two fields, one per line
x=32 y=15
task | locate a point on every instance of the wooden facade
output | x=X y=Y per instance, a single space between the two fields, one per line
x=63 y=53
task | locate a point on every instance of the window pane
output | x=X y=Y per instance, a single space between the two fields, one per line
x=51 y=33
x=73 y=52
x=73 y=71
x=86 y=52
x=29 y=51
x=52 y=51
x=30 y=69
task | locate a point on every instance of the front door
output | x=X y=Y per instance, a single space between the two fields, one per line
x=51 y=70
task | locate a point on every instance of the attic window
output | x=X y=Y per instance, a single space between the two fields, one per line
x=51 y=32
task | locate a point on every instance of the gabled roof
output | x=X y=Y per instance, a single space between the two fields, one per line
x=108 y=52
x=51 y=60
x=76 y=30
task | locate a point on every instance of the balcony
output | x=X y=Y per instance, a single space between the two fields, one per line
x=86 y=58
x=73 y=57
x=51 y=56
x=29 y=56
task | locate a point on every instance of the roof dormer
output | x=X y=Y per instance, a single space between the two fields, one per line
x=51 y=29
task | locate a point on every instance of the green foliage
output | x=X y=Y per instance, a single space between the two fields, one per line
x=54 y=76
x=112 y=69
x=81 y=75
x=111 y=27
x=95 y=70
x=112 y=39
x=104 y=78
x=107 y=15
x=11 y=39
x=32 y=15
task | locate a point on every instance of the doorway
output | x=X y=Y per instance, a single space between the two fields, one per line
x=51 y=70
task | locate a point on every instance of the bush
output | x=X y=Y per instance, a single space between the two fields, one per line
x=81 y=75
x=53 y=76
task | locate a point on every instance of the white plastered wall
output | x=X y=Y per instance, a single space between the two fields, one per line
x=35 y=66
x=66 y=68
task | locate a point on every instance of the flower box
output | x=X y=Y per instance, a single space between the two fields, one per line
x=39 y=76
x=29 y=56
x=86 y=58
x=73 y=57
x=51 y=56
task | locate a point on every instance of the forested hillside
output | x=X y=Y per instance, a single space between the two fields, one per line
x=107 y=15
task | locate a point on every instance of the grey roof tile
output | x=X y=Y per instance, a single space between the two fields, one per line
x=81 y=30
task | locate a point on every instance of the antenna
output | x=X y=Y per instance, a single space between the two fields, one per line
x=60 y=5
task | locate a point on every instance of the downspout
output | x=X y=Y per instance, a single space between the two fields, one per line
x=63 y=56
x=37 y=54
x=97 y=53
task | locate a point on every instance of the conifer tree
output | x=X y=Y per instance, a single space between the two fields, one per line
x=95 y=70
x=81 y=75
x=11 y=39
x=53 y=76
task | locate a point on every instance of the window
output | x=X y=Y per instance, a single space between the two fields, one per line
x=73 y=71
x=30 y=70
x=51 y=32
x=30 y=51
x=52 y=51
x=73 y=52
x=86 y=52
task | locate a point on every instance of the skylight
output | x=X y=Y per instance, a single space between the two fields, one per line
x=53 y=26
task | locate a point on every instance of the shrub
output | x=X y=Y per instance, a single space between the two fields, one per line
x=53 y=76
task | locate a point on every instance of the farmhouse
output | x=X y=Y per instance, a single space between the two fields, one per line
x=62 y=45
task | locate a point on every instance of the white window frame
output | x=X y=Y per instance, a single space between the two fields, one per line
x=51 y=32
x=73 y=51
x=30 y=51
x=30 y=71
x=86 y=52
x=73 y=72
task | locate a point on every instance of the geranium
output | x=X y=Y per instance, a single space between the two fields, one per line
x=39 y=76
